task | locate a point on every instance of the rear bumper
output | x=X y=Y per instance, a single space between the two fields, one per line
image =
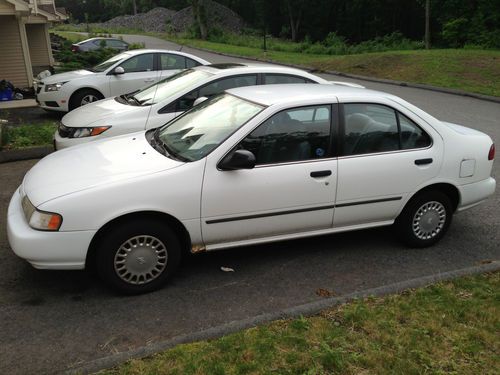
x=475 y=193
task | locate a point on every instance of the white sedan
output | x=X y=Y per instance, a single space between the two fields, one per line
x=156 y=105
x=249 y=166
x=126 y=72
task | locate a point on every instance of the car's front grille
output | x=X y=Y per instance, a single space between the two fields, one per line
x=64 y=131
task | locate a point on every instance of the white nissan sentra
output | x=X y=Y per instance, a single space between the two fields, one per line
x=157 y=104
x=251 y=165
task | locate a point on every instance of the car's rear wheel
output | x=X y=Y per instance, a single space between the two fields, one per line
x=138 y=256
x=425 y=219
x=84 y=97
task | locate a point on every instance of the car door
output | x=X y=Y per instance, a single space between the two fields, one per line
x=385 y=155
x=139 y=72
x=291 y=189
x=171 y=64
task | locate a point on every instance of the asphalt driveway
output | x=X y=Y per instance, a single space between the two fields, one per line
x=50 y=321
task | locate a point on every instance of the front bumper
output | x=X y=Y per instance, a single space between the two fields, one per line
x=45 y=250
x=52 y=101
x=475 y=193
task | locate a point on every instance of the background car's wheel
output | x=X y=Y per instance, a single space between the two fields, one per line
x=138 y=256
x=425 y=219
x=83 y=97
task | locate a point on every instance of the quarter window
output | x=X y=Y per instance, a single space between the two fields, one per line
x=292 y=135
x=140 y=63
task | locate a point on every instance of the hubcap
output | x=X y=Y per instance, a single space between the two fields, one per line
x=429 y=220
x=89 y=99
x=140 y=259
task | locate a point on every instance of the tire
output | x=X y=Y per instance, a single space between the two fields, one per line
x=125 y=259
x=83 y=97
x=425 y=219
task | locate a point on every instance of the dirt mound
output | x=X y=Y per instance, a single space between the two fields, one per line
x=162 y=19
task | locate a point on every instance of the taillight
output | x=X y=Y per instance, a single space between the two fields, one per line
x=491 y=154
x=74 y=48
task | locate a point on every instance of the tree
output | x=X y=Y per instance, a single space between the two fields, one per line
x=200 y=17
x=294 y=8
x=427 y=24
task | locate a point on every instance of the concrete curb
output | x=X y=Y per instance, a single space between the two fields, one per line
x=364 y=78
x=25 y=154
x=307 y=309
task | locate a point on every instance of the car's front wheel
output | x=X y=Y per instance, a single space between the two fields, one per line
x=84 y=97
x=138 y=256
x=425 y=219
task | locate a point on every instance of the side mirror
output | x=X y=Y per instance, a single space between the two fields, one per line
x=118 y=70
x=239 y=159
x=201 y=99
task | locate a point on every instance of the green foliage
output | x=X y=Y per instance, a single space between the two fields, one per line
x=449 y=327
x=29 y=135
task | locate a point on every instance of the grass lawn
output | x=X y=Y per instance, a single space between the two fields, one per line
x=451 y=327
x=464 y=69
x=29 y=135
x=71 y=36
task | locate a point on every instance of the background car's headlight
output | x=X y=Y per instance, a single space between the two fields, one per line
x=88 y=132
x=54 y=86
x=40 y=220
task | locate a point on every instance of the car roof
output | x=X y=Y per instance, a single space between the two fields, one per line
x=247 y=68
x=100 y=38
x=274 y=94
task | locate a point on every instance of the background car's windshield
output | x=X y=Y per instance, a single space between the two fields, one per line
x=106 y=64
x=203 y=128
x=169 y=87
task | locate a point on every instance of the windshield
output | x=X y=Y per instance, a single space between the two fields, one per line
x=109 y=62
x=169 y=87
x=203 y=128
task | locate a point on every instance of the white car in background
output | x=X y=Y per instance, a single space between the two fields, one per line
x=157 y=104
x=252 y=165
x=126 y=72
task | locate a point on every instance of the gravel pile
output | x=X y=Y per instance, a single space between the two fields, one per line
x=162 y=19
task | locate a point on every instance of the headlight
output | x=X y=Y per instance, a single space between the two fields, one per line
x=54 y=86
x=40 y=220
x=89 y=132
x=69 y=132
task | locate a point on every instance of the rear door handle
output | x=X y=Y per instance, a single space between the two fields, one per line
x=316 y=174
x=423 y=161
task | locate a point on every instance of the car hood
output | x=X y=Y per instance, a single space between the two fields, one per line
x=67 y=76
x=90 y=165
x=98 y=112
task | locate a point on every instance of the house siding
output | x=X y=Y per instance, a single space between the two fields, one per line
x=12 y=66
x=37 y=42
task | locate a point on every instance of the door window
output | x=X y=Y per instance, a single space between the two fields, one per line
x=140 y=63
x=228 y=83
x=374 y=128
x=168 y=61
x=292 y=135
x=274 y=79
x=190 y=63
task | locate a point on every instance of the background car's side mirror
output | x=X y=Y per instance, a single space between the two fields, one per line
x=201 y=99
x=118 y=70
x=239 y=159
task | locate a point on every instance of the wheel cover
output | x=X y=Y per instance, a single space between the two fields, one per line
x=429 y=220
x=89 y=99
x=140 y=259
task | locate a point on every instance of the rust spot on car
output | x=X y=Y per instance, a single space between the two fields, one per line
x=198 y=249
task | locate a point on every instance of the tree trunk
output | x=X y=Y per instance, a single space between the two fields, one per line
x=294 y=21
x=134 y=4
x=427 y=24
x=199 y=15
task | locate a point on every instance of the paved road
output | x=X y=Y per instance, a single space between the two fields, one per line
x=52 y=320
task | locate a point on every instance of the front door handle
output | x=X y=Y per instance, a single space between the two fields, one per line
x=317 y=174
x=423 y=161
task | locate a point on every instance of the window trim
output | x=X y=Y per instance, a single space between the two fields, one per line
x=333 y=133
x=264 y=76
x=396 y=112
